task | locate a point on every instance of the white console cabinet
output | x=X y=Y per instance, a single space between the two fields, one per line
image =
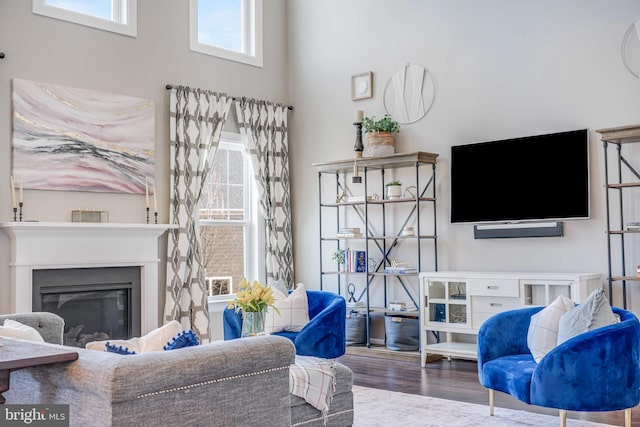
x=453 y=304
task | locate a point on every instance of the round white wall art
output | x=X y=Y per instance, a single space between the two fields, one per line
x=631 y=48
x=409 y=94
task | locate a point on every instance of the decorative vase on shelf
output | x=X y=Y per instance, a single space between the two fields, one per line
x=394 y=191
x=253 y=323
x=379 y=144
x=380 y=138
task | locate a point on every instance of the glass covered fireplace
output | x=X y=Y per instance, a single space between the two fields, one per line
x=95 y=303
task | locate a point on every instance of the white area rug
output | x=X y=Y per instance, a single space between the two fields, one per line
x=388 y=408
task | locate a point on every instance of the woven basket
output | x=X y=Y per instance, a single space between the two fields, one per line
x=379 y=144
x=402 y=333
x=356 y=332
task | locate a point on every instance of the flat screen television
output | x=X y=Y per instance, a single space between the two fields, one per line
x=543 y=177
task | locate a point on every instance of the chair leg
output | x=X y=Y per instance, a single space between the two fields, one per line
x=563 y=418
x=627 y=417
x=492 y=395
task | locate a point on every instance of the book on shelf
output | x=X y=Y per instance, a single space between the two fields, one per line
x=397 y=306
x=348 y=230
x=355 y=199
x=356 y=261
x=400 y=270
x=361 y=261
x=349 y=235
x=360 y=199
x=355 y=305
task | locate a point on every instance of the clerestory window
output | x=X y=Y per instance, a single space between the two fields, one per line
x=229 y=29
x=118 y=16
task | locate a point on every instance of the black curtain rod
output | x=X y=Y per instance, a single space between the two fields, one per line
x=169 y=87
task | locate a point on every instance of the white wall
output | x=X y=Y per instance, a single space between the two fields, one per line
x=502 y=69
x=48 y=50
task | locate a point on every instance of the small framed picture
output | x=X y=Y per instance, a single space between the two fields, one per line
x=362 y=86
x=219 y=285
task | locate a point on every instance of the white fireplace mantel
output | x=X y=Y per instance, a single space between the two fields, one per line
x=29 y=246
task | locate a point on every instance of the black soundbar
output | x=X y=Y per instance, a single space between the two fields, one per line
x=502 y=231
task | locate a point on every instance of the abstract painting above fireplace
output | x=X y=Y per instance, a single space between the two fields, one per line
x=89 y=140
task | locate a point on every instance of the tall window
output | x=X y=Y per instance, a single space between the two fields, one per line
x=229 y=29
x=228 y=220
x=118 y=16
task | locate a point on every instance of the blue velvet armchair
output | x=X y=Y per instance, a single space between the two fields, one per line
x=595 y=371
x=324 y=335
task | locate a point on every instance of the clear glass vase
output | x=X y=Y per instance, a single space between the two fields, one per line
x=253 y=323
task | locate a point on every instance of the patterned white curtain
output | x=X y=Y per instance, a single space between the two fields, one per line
x=264 y=125
x=196 y=120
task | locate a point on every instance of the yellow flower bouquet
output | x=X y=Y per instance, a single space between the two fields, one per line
x=253 y=298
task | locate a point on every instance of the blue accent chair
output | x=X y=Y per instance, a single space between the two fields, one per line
x=595 y=371
x=325 y=334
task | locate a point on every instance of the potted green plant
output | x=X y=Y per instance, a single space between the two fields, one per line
x=339 y=256
x=380 y=139
x=394 y=189
x=385 y=124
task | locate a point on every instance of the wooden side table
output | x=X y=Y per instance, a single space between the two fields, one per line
x=18 y=354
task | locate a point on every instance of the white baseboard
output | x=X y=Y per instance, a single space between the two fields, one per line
x=377 y=341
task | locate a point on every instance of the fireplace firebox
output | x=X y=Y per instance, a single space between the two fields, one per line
x=96 y=303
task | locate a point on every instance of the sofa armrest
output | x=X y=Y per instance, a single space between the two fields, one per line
x=325 y=334
x=50 y=326
x=504 y=334
x=596 y=371
x=200 y=384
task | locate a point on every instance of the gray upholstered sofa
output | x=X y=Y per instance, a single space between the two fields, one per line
x=232 y=383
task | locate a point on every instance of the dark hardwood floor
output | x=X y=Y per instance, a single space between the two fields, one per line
x=453 y=380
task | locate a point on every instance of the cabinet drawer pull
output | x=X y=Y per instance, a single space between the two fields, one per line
x=495 y=304
x=493 y=287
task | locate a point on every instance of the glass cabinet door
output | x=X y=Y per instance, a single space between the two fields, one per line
x=437 y=295
x=437 y=290
x=437 y=312
x=447 y=302
x=556 y=291
x=457 y=314
x=458 y=291
x=543 y=293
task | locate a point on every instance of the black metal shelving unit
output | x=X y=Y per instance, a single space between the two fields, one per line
x=617 y=137
x=378 y=237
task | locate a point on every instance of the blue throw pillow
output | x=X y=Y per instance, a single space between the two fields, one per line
x=183 y=339
x=112 y=348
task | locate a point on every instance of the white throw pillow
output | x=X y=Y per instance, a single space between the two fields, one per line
x=294 y=311
x=153 y=341
x=542 y=335
x=13 y=329
x=280 y=286
x=593 y=313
